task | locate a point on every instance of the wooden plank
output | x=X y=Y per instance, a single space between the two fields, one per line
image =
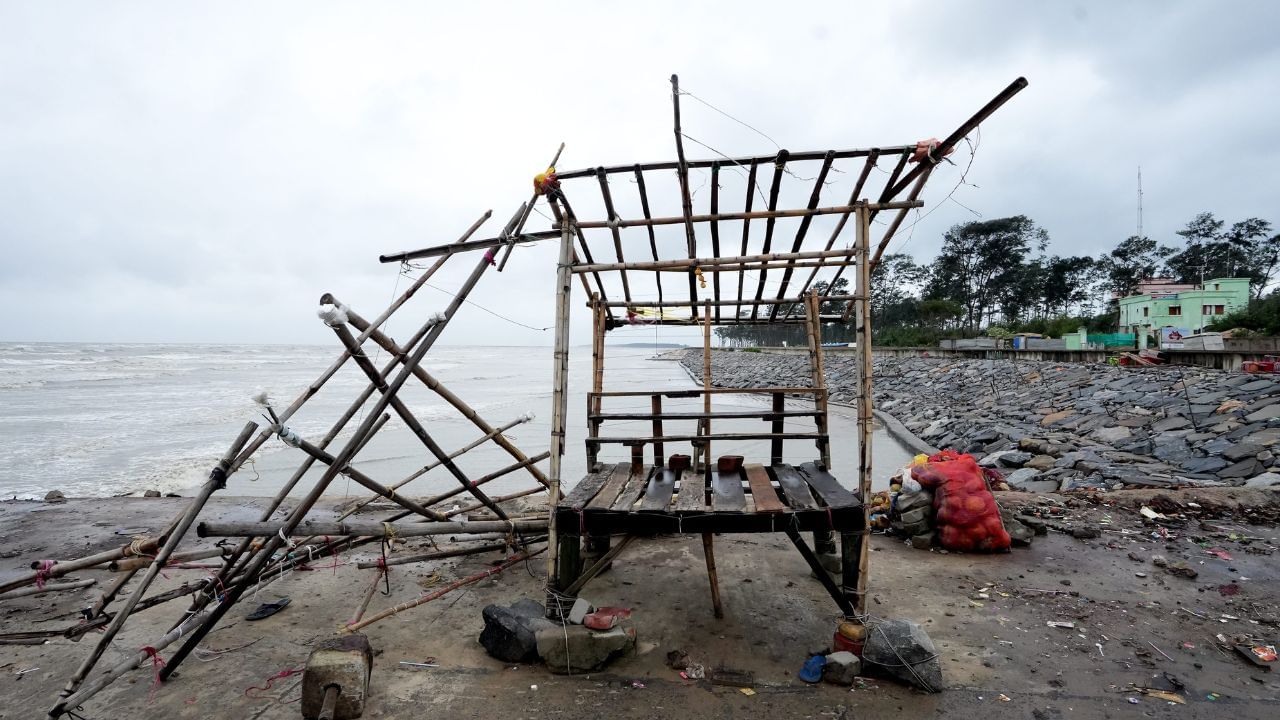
x=657 y=494
x=617 y=480
x=827 y=487
x=796 y=489
x=608 y=522
x=761 y=414
x=693 y=493
x=631 y=491
x=726 y=492
x=763 y=493
x=587 y=488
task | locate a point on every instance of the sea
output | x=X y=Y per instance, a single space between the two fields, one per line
x=101 y=420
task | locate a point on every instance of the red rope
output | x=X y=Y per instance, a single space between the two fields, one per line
x=157 y=663
x=44 y=572
x=249 y=692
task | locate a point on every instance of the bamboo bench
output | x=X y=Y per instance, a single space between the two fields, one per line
x=643 y=500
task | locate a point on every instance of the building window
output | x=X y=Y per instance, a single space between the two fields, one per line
x=1218 y=309
x=1146 y=311
x=1175 y=309
x=1217 y=286
x=1206 y=310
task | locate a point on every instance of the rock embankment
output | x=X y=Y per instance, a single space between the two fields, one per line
x=1055 y=426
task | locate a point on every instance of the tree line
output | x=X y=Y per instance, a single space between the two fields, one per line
x=991 y=273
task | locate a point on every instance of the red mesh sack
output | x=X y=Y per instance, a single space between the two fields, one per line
x=967 y=515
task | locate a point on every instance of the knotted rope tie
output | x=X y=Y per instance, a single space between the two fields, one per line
x=389 y=532
x=157 y=663
x=287 y=541
x=136 y=546
x=44 y=572
x=488 y=257
x=289 y=436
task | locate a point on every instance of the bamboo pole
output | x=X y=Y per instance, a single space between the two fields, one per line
x=559 y=402
x=217 y=481
x=685 y=303
x=67 y=567
x=644 y=207
x=746 y=225
x=368 y=596
x=885 y=195
x=343 y=458
x=617 y=237
x=864 y=417
x=771 y=214
x=514 y=560
x=407 y=416
x=75 y=632
x=739 y=161
x=711 y=263
x=715 y=233
x=706 y=408
x=108 y=594
x=48 y=588
x=435 y=555
x=241 y=528
x=445 y=394
x=803 y=230
x=140 y=563
x=686 y=200
x=779 y=165
x=597 y=377
x=560 y=215
x=432 y=465
x=870 y=163
x=525 y=212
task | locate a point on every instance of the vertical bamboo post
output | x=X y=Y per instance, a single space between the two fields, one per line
x=859 y=563
x=594 y=402
x=659 y=452
x=778 y=427
x=824 y=543
x=706 y=384
x=559 y=405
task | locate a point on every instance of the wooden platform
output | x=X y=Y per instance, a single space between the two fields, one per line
x=615 y=501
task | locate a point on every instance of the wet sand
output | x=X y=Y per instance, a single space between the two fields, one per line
x=775 y=614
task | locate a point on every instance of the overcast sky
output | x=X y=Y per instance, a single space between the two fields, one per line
x=202 y=172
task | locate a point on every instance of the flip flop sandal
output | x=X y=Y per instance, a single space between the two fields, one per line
x=266 y=610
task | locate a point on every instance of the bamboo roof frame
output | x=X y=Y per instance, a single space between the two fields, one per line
x=753 y=295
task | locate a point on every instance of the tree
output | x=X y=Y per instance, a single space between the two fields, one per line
x=1133 y=260
x=893 y=281
x=979 y=258
x=1241 y=250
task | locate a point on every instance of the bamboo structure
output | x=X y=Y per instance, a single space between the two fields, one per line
x=686 y=489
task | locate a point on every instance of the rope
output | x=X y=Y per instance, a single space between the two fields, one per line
x=44 y=572
x=157 y=663
x=254 y=691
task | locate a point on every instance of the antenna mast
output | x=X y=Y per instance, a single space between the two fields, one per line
x=1139 y=201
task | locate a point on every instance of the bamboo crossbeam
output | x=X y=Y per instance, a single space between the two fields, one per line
x=703 y=437
x=364 y=529
x=743 y=161
x=685 y=303
x=685 y=392
x=617 y=237
x=762 y=414
x=744 y=215
x=779 y=166
x=798 y=242
x=709 y=264
x=469 y=246
x=644 y=208
x=686 y=199
x=434 y=385
x=726 y=322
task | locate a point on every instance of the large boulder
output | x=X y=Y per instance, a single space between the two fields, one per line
x=903 y=650
x=572 y=649
x=510 y=633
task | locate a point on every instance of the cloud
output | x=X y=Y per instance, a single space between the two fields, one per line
x=203 y=173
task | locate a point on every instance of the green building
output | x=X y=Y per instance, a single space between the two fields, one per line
x=1161 y=303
